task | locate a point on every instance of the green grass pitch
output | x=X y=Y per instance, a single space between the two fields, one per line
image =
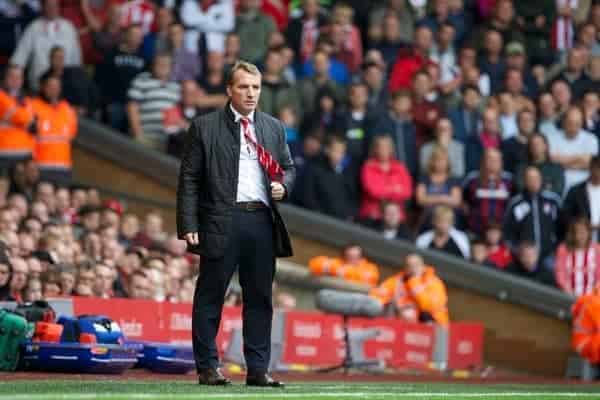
x=187 y=390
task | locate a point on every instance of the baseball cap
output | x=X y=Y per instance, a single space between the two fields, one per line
x=514 y=48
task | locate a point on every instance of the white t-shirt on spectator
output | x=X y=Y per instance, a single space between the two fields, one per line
x=583 y=144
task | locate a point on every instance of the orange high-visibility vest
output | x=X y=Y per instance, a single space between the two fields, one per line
x=364 y=272
x=585 y=338
x=425 y=293
x=15 y=117
x=57 y=126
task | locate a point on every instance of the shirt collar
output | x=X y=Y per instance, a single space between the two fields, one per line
x=237 y=116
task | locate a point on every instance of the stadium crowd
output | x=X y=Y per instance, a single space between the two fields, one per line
x=468 y=126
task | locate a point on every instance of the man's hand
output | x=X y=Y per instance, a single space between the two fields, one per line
x=192 y=238
x=277 y=191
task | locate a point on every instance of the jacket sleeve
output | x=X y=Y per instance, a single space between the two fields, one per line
x=509 y=227
x=286 y=162
x=190 y=182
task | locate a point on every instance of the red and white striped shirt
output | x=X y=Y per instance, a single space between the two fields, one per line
x=578 y=271
x=138 y=12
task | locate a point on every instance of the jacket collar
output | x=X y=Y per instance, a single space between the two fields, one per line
x=234 y=124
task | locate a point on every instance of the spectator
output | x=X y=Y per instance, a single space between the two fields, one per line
x=66 y=279
x=383 y=178
x=392 y=224
x=548 y=114
x=563 y=96
x=405 y=22
x=139 y=286
x=535 y=21
x=576 y=269
x=488 y=138
x=105 y=34
x=492 y=63
x=517 y=67
x=212 y=84
x=77 y=88
x=508 y=115
x=357 y=121
x=232 y=49
x=276 y=92
x=444 y=236
x=157 y=40
x=178 y=118
x=470 y=73
x=436 y=187
x=6 y=274
x=528 y=264
x=573 y=148
x=352 y=266
x=466 y=117
x=591 y=112
x=330 y=182
x=397 y=123
x=18 y=278
x=254 y=28
x=486 y=192
x=303 y=32
x=415 y=294
x=44 y=33
x=390 y=41
x=186 y=65
x=373 y=75
x=443 y=139
x=499 y=254
x=308 y=88
x=503 y=21
x=514 y=149
x=411 y=61
x=479 y=252
x=538 y=156
x=346 y=37
x=16 y=139
x=13 y=19
x=115 y=74
x=337 y=70
x=533 y=216
x=444 y=53
x=583 y=200
x=150 y=95
x=56 y=129
x=574 y=73
x=425 y=109
x=103 y=281
x=207 y=22
x=33 y=290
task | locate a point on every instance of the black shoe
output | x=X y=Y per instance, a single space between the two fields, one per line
x=263 y=380
x=212 y=377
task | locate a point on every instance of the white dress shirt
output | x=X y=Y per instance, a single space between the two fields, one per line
x=251 y=182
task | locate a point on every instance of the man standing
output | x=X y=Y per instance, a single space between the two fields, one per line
x=235 y=166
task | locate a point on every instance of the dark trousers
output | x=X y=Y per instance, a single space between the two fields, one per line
x=251 y=250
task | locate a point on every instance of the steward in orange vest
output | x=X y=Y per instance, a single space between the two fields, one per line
x=16 y=120
x=56 y=127
x=351 y=267
x=585 y=338
x=415 y=294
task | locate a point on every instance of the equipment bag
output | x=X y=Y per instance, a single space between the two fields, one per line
x=91 y=329
x=37 y=311
x=13 y=331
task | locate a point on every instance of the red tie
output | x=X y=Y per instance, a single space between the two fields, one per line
x=269 y=164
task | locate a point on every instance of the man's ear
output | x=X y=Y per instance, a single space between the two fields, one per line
x=228 y=90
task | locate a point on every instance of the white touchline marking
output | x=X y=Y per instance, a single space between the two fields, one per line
x=177 y=396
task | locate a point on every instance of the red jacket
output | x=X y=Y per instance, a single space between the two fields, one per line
x=403 y=70
x=394 y=185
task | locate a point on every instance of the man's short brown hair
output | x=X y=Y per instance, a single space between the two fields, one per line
x=244 y=66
